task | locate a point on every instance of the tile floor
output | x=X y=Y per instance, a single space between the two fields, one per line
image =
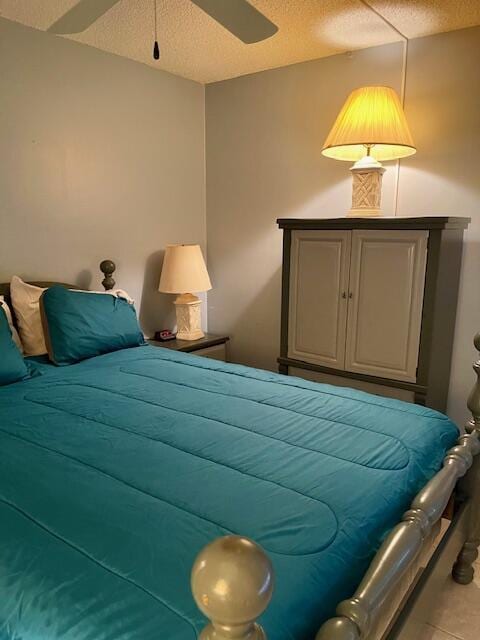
x=457 y=614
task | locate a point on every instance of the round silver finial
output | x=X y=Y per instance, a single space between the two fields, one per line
x=232 y=583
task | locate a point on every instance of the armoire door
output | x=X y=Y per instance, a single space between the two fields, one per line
x=387 y=277
x=319 y=271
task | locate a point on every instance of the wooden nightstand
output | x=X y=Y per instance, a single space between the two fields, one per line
x=209 y=346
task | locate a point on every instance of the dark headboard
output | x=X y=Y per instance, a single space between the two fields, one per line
x=107 y=267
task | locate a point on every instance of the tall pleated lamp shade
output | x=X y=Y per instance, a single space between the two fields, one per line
x=371 y=127
x=184 y=272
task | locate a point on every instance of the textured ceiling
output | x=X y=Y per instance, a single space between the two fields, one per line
x=195 y=46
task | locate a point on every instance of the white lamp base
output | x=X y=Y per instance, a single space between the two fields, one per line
x=367 y=188
x=189 y=317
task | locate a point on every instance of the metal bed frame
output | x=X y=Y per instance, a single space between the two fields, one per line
x=232 y=578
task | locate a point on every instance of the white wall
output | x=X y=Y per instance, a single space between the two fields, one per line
x=100 y=157
x=104 y=157
x=443 y=178
x=264 y=138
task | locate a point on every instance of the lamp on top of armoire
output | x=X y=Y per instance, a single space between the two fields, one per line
x=370 y=128
x=183 y=273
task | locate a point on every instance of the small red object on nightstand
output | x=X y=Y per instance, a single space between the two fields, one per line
x=164 y=335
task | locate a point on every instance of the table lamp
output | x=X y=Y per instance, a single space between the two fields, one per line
x=183 y=272
x=371 y=127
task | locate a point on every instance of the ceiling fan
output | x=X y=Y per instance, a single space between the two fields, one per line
x=237 y=16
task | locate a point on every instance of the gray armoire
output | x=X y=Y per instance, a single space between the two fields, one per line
x=371 y=303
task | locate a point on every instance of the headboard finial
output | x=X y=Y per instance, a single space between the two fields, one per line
x=107 y=267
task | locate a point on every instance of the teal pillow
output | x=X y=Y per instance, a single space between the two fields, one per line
x=12 y=365
x=79 y=325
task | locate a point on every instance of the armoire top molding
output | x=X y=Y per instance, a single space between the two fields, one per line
x=399 y=222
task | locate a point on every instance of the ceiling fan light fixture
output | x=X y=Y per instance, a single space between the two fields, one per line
x=239 y=17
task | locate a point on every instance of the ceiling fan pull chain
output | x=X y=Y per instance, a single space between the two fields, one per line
x=156 y=48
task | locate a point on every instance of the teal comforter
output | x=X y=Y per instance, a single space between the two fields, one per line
x=115 y=472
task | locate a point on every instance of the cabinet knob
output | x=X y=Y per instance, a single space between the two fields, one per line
x=350 y=295
x=344 y=295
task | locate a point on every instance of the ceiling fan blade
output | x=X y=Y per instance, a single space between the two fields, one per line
x=240 y=18
x=81 y=16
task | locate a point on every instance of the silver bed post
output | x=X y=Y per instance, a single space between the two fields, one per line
x=357 y=616
x=232 y=583
x=463 y=569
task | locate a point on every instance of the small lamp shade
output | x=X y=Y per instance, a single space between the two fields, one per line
x=184 y=270
x=371 y=117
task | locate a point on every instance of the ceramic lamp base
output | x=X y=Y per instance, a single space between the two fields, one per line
x=189 y=317
x=367 y=188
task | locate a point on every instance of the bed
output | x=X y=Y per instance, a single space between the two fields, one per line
x=117 y=471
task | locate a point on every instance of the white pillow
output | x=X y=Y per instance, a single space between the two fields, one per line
x=8 y=313
x=117 y=293
x=25 y=301
x=26 y=304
